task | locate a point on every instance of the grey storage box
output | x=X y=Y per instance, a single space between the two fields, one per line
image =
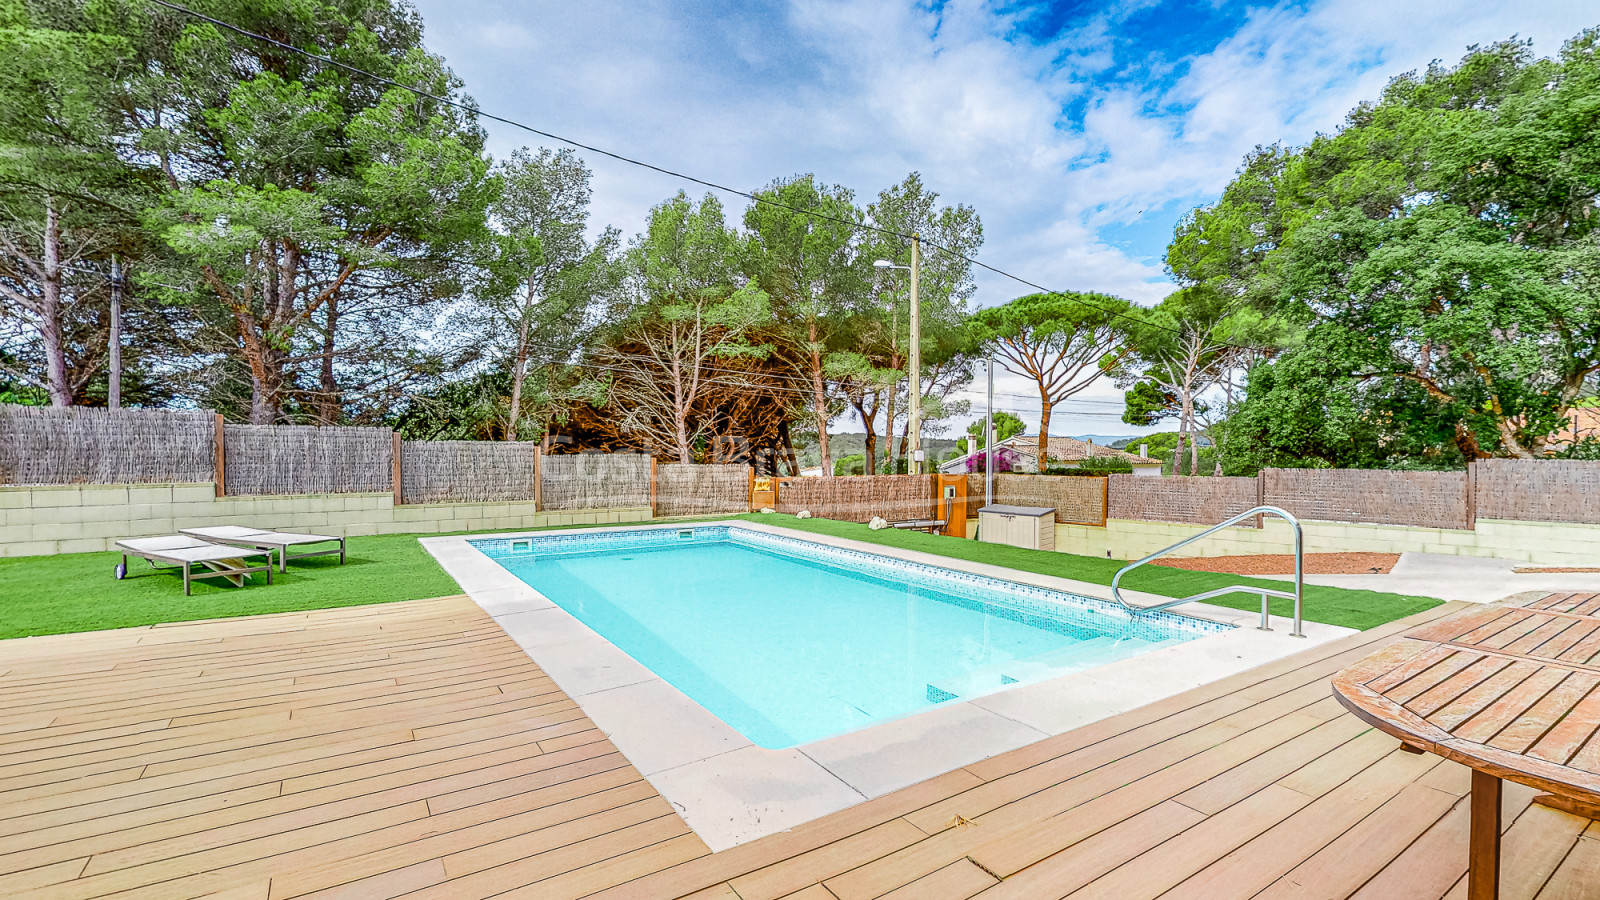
x=1033 y=527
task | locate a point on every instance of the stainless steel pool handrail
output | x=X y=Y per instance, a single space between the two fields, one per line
x=1299 y=572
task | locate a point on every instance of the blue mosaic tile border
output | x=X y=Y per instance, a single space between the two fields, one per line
x=1038 y=606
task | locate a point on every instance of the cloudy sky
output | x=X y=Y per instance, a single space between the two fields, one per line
x=1080 y=131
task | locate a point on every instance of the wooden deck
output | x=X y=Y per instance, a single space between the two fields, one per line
x=412 y=749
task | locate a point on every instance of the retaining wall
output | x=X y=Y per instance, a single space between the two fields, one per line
x=36 y=521
x=1544 y=543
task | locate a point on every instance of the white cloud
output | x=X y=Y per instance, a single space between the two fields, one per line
x=862 y=92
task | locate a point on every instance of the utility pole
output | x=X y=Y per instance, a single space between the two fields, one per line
x=988 y=439
x=114 y=372
x=916 y=358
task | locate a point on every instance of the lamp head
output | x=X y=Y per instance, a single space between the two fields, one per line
x=883 y=264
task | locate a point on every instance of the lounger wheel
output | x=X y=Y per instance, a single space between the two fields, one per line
x=122 y=570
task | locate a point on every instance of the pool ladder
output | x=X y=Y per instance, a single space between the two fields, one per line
x=1299 y=572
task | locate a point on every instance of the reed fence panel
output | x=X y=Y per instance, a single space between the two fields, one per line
x=468 y=471
x=1372 y=496
x=975 y=495
x=1200 y=501
x=595 y=481
x=857 y=498
x=308 y=459
x=82 y=445
x=691 y=490
x=1077 y=499
x=1538 y=490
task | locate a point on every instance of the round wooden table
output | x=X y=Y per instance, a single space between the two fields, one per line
x=1511 y=690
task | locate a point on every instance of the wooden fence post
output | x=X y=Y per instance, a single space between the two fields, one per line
x=398 y=473
x=1261 y=497
x=1105 y=500
x=538 y=478
x=652 y=487
x=1472 y=495
x=219 y=456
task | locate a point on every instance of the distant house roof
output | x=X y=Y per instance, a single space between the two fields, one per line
x=1059 y=449
x=1066 y=449
x=1583 y=422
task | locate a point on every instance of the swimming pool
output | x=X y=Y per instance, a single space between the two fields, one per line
x=789 y=641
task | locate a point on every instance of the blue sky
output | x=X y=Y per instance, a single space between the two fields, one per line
x=1080 y=131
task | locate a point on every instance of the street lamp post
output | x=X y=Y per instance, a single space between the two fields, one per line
x=915 y=399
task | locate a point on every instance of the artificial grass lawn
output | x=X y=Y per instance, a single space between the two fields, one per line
x=76 y=592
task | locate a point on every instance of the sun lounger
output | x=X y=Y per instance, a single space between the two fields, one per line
x=263 y=539
x=187 y=552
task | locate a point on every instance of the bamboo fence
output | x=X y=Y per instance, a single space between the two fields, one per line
x=1077 y=499
x=82 y=445
x=1200 y=501
x=857 y=498
x=468 y=471
x=307 y=459
x=689 y=490
x=1538 y=490
x=1375 y=496
x=595 y=481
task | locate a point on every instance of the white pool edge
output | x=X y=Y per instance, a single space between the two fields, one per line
x=731 y=791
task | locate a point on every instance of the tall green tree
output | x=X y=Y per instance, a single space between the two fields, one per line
x=1062 y=342
x=881 y=329
x=545 y=287
x=1186 y=355
x=67 y=201
x=1445 y=238
x=292 y=182
x=1006 y=426
x=804 y=253
x=693 y=324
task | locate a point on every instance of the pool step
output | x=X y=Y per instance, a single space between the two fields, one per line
x=1079 y=656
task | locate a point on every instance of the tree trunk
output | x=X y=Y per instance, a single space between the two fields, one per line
x=114 y=340
x=330 y=409
x=50 y=310
x=266 y=387
x=789 y=459
x=1194 y=453
x=519 y=369
x=868 y=422
x=1044 y=429
x=819 y=403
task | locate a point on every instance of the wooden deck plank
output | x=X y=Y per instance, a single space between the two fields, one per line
x=412 y=749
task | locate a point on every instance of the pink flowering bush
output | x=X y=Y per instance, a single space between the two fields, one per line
x=1004 y=459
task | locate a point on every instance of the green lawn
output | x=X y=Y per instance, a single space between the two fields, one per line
x=76 y=592
x=1334 y=606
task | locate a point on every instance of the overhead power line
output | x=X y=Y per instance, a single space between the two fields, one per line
x=754 y=198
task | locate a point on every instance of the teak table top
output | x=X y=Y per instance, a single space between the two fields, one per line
x=1509 y=689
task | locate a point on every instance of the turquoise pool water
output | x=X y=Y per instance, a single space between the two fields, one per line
x=788 y=641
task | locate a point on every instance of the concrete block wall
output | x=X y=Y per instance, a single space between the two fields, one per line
x=38 y=521
x=1542 y=543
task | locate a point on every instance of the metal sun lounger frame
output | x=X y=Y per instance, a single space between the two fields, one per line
x=220 y=565
x=267 y=539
